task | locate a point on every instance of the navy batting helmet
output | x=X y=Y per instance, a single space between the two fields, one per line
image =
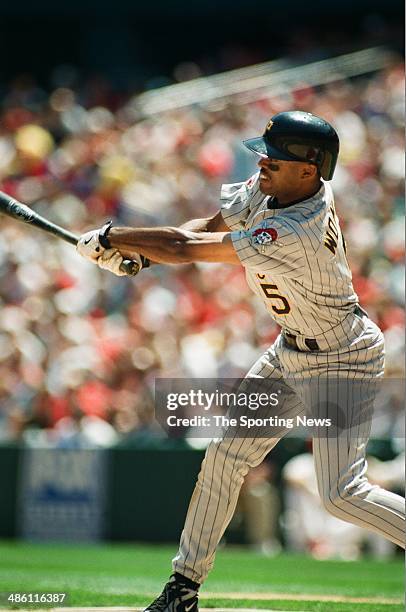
x=299 y=136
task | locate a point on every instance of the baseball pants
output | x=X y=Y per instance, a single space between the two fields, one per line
x=307 y=380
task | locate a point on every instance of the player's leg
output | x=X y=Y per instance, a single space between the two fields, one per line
x=214 y=499
x=344 y=487
x=226 y=463
x=340 y=454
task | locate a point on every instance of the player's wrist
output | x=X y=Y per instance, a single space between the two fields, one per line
x=111 y=236
x=103 y=235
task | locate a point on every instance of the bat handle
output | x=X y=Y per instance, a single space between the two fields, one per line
x=131 y=268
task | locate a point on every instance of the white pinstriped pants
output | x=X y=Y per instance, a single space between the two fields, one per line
x=339 y=460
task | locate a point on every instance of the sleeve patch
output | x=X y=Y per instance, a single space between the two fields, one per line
x=264 y=235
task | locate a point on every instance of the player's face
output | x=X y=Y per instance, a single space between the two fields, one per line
x=277 y=177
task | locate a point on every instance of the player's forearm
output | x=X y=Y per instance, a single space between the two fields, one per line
x=159 y=244
x=173 y=245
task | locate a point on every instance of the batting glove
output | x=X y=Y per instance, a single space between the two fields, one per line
x=93 y=244
x=111 y=260
x=96 y=247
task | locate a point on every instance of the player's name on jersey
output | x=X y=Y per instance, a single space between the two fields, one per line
x=245 y=421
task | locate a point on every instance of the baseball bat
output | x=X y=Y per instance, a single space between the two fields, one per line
x=11 y=207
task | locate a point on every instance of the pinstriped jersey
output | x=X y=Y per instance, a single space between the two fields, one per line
x=294 y=257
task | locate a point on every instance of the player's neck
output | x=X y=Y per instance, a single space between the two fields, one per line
x=289 y=198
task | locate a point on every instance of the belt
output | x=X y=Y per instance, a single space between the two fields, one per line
x=290 y=339
x=311 y=343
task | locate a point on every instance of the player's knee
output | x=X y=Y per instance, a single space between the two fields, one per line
x=333 y=505
x=337 y=502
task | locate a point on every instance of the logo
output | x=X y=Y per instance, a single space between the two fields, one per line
x=21 y=211
x=269 y=125
x=187 y=608
x=265 y=235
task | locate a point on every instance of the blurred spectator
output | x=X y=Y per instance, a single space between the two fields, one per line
x=79 y=430
x=135 y=421
x=308 y=526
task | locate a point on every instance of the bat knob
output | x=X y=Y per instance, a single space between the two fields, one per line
x=131 y=268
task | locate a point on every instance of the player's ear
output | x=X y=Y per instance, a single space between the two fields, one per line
x=309 y=171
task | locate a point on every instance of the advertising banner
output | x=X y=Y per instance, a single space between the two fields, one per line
x=62 y=494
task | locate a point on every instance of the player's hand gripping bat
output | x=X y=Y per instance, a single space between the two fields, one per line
x=11 y=207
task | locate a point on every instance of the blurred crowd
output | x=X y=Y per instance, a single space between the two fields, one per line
x=80 y=349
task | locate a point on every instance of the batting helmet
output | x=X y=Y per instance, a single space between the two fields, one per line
x=299 y=136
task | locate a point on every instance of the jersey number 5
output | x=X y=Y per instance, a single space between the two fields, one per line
x=269 y=291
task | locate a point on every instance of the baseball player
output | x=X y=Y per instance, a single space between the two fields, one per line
x=282 y=226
